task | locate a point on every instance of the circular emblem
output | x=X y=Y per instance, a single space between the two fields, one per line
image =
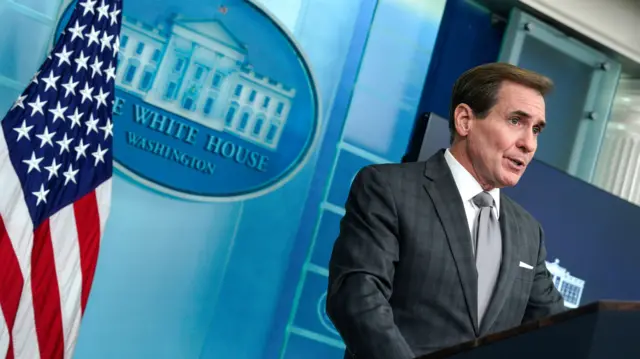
x=214 y=101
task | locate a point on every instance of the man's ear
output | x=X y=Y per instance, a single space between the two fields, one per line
x=463 y=116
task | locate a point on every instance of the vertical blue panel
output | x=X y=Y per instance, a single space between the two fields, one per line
x=467 y=38
x=377 y=128
x=328 y=230
x=276 y=345
x=347 y=166
x=392 y=76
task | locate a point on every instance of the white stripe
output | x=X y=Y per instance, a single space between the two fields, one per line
x=17 y=220
x=25 y=338
x=66 y=253
x=4 y=336
x=103 y=197
x=14 y=211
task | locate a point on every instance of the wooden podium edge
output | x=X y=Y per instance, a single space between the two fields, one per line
x=600 y=306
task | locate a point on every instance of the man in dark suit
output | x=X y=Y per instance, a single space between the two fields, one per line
x=431 y=254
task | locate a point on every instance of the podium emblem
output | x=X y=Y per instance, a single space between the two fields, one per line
x=569 y=286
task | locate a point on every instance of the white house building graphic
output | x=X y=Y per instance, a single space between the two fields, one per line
x=569 y=286
x=198 y=70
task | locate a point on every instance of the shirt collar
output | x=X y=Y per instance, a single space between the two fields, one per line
x=466 y=183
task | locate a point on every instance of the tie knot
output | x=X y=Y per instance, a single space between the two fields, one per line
x=483 y=199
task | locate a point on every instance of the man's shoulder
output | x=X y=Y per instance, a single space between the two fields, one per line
x=520 y=213
x=393 y=176
x=397 y=169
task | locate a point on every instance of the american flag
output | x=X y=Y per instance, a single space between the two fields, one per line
x=55 y=186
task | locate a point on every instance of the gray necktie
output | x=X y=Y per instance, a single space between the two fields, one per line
x=488 y=250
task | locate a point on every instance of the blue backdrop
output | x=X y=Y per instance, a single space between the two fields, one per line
x=243 y=277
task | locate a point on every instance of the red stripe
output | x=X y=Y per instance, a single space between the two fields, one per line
x=46 y=296
x=11 y=283
x=88 y=225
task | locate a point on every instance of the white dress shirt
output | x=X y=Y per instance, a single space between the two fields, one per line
x=469 y=188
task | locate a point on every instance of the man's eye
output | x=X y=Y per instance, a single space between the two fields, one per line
x=536 y=130
x=514 y=120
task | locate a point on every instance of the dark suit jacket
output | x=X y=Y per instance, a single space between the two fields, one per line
x=402 y=276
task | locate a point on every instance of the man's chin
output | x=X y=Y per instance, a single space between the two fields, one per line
x=510 y=180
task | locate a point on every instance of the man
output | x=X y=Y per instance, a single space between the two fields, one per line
x=431 y=254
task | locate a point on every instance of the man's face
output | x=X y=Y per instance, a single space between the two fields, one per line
x=501 y=145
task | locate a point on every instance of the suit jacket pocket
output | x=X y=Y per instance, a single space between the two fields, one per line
x=525 y=274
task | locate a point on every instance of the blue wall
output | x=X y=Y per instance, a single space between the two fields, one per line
x=240 y=279
x=374 y=126
x=467 y=38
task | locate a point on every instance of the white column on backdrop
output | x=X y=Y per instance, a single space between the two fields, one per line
x=618 y=169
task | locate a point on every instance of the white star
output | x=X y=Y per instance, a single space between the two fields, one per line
x=88 y=6
x=110 y=72
x=51 y=81
x=92 y=124
x=58 y=112
x=64 y=144
x=114 y=15
x=105 y=41
x=46 y=137
x=20 y=102
x=108 y=129
x=103 y=11
x=41 y=195
x=116 y=46
x=96 y=67
x=35 y=77
x=64 y=56
x=80 y=149
x=86 y=92
x=23 y=131
x=101 y=98
x=70 y=87
x=70 y=175
x=93 y=36
x=81 y=61
x=75 y=118
x=76 y=30
x=33 y=162
x=37 y=106
x=99 y=155
x=53 y=169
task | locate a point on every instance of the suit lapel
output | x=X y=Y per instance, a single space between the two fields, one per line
x=442 y=189
x=510 y=233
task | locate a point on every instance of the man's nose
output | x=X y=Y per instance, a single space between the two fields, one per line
x=528 y=142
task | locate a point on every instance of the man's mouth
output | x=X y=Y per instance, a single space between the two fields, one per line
x=516 y=162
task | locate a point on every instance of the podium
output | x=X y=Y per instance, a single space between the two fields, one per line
x=607 y=330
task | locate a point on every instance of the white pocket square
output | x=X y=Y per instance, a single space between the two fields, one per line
x=525 y=265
